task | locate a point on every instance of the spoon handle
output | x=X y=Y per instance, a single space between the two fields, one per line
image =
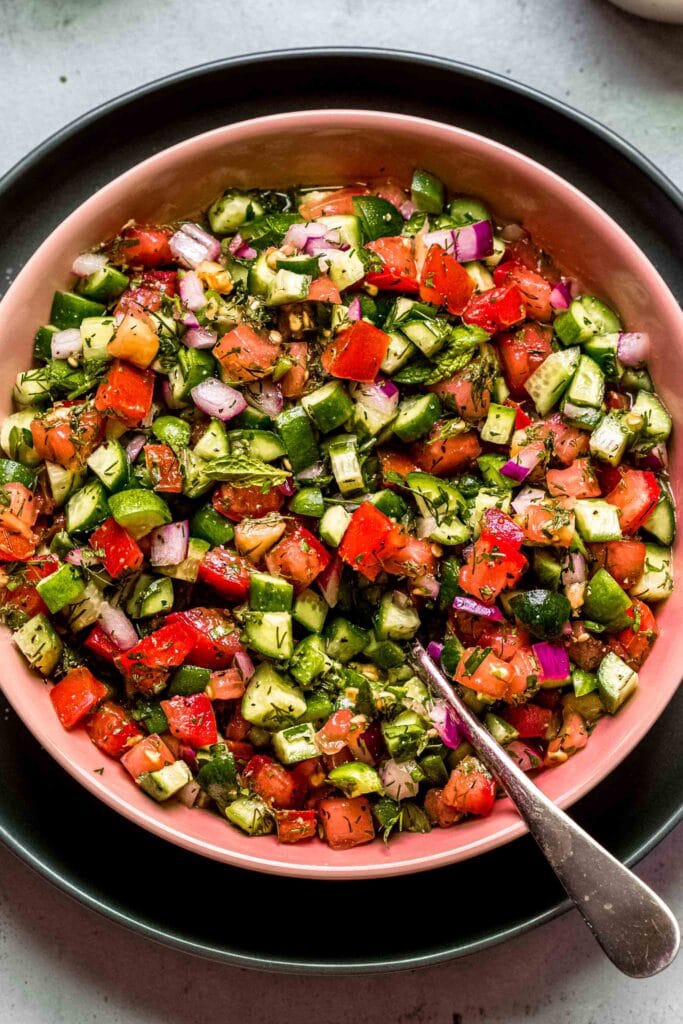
x=635 y=928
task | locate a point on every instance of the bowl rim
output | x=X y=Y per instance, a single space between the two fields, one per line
x=462 y=850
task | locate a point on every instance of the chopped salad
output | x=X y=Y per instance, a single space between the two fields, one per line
x=259 y=452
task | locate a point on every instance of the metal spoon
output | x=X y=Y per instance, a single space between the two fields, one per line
x=635 y=928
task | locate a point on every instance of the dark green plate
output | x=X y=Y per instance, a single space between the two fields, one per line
x=126 y=873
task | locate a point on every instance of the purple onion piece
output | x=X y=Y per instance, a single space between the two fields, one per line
x=553 y=659
x=443 y=237
x=443 y=720
x=218 y=399
x=527 y=496
x=474 y=607
x=514 y=471
x=633 y=348
x=266 y=396
x=560 y=296
x=435 y=650
x=199 y=337
x=66 y=343
x=473 y=242
x=117 y=626
x=170 y=543
x=575 y=570
x=244 y=665
x=88 y=263
x=211 y=244
x=354 y=312
x=135 y=446
x=288 y=488
x=192 y=291
x=407 y=209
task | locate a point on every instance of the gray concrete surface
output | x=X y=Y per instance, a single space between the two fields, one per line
x=61 y=964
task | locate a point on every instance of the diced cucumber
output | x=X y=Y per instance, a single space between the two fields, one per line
x=656 y=419
x=68 y=310
x=404 y=736
x=348 y=227
x=152 y=595
x=585 y=417
x=586 y=317
x=42 y=343
x=189 y=679
x=346 y=465
x=110 y=463
x=251 y=815
x=258 y=444
x=104 y=285
x=297 y=743
x=500 y=424
x=310 y=610
x=606 y=602
x=464 y=210
x=329 y=407
x=428 y=335
x=87 y=508
x=597 y=520
x=355 y=778
x=385 y=653
x=231 y=210
x=195 y=480
x=367 y=420
x=308 y=501
x=603 y=349
x=345 y=640
x=16 y=438
x=261 y=276
x=288 y=286
x=389 y=502
x=12 y=472
x=490 y=466
x=165 y=782
x=60 y=588
x=548 y=382
x=400 y=351
x=309 y=660
x=63 y=482
x=634 y=379
x=334 y=525
x=298 y=438
x=211 y=526
x=39 y=643
x=270 y=633
x=397 y=618
x=188 y=569
x=213 y=443
x=139 y=510
x=616 y=682
x=500 y=390
x=583 y=682
x=416 y=417
x=609 y=439
x=485 y=499
x=96 y=333
x=346 y=268
x=427 y=192
x=32 y=387
x=588 y=384
x=270 y=593
x=174 y=431
x=86 y=611
x=656 y=582
x=270 y=700
x=501 y=730
x=661 y=523
x=499 y=250
x=479 y=275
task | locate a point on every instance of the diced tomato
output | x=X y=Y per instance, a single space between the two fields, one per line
x=635 y=496
x=332 y=737
x=119 y=551
x=240 y=751
x=495 y=309
x=191 y=719
x=357 y=352
x=399 y=271
x=25 y=597
x=534 y=289
x=126 y=393
x=527 y=254
x=521 y=418
x=147 y=296
x=238 y=728
x=163 y=468
x=444 y=456
x=470 y=789
x=623 y=559
x=111 y=729
x=522 y=353
x=273 y=783
x=334 y=203
x=526 y=671
x=394 y=463
x=444 y=282
x=322 y=290
x=146 y=247
x=239 y=503
x=76 y=695
x=145 y=667
x=68 y=434
x=465 y=394
x=228 y=684
x=635 y=642
x=502 y=528
x=438 y=812
x=245 y=355
x=405 y=555
x=568 y=442
x=530 y=720
x=149 y=755
x=617 y=400
x=491 y=568
x=503 y=638
x=99 y=643
x=299 y=557
x=577 y=481
x=484 y=672
x=548 y=523
x=292 y=826
x=293 y=383
x=346 y=822
x=16 y=548
x=215 y=639
x=572 y=736
x=227 y=572
x=362 y=542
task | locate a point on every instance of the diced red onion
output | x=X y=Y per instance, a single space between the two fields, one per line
x=513 y=233
x=516 y=472
x=435 y=650
x=444 y=237
x=192 y=291
x=553 y=660
x=192 y=245
x=80 y=556
x=266 y=396
x=313 y=472
x=527 y=496
x=169 y=398
x=235 y=243
x=474 y=607
x=245 y=665
x=117 y=626
x=199 y=337
x=354 y=312
x=297 y=235
x=427 y=586
x=88 y=263
x=188 y=319
x=407 y=209
x=218 y=399
x=560 y=296
x=319 y=246
x=189 y=756
x=329 y=580
x=246 y=252
x=66 y=343
x=397 y=781
x=170 y=543
x=135 y=446
x=656 y=459
x=524 y=755
x=633 y=348
x=425 y=527
x=378 y=396
x=443 y=720
x=190 y=793
x=575 y=569
x=473 y=242
x=288 y=488
x=388 y=387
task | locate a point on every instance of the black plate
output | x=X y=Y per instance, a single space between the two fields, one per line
x=126 y=873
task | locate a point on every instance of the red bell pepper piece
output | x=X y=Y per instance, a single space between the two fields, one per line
x=292 y=826
x=216 y=640
x=470 y=789
x=163 y=468
x=635 y=495
x=299 y=557
x=227 y=572
x=145 y=667
x=99 y=643
x=362 y=542
x=357 y=352
x=503 y=528
x=238 y=728
x=191 y=719
x=76 y=695
x=399 y=271
x=111 y=729
x=146 y=247
x=444 y=282
x=496 y=309
x=521 y=418
x=119 y=551
x=126 y=393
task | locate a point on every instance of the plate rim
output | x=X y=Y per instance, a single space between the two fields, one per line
x=13 y=176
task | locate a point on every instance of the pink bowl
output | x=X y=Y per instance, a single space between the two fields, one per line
x=333 y=147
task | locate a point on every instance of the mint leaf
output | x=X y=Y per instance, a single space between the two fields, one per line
x=242 y=470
